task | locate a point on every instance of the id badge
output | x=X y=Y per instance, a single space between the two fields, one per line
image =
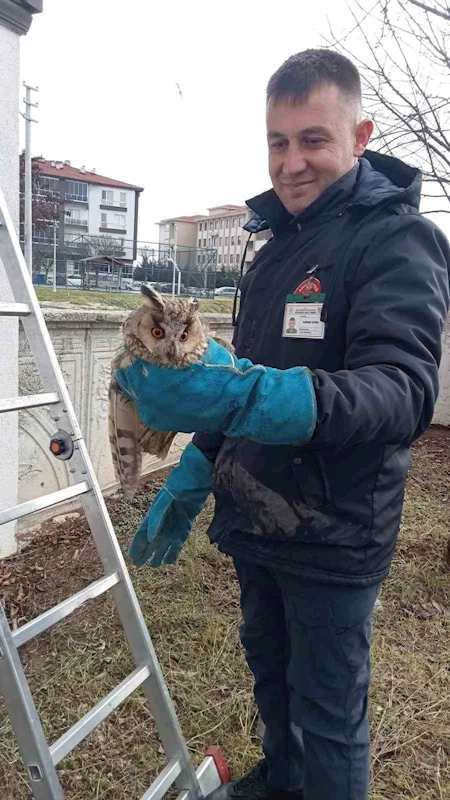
x=302 y=316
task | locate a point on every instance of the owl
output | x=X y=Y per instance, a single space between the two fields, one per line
x=166 y=331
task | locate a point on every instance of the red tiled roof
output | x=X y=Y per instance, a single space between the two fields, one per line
x=75 y=174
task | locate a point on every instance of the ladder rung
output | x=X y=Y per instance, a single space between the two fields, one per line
x=164 y=781
x=28 y=401
x=86 y=724
x=62 y=610
x=47 y=500
x=14 y=310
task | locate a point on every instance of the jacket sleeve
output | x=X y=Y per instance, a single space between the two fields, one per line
x=209 y=444
x=399 y=300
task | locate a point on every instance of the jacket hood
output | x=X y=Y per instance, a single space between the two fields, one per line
x=375 y=181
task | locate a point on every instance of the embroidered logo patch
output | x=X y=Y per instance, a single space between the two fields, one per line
x=309 y=286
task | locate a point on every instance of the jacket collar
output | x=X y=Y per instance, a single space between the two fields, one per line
x=376 y=180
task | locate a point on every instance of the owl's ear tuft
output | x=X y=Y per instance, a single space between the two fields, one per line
x=194 y=304
x=152 y=298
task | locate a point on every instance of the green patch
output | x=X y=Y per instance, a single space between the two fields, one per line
x=192 y=612
x=82 y=299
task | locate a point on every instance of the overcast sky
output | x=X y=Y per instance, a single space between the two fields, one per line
x=107 y=73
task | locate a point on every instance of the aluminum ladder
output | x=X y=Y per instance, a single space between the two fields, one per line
x=39 y=757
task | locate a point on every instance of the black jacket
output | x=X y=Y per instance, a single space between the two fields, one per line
x=331 y=510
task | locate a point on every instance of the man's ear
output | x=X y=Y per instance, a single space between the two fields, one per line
x=364 y=131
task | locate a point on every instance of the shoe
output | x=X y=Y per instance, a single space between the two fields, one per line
x=253 y=786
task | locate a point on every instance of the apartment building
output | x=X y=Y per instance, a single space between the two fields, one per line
x=221 y=229
x=90 y=205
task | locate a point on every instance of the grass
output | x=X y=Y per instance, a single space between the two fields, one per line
x=192 y=611
x=217 y=305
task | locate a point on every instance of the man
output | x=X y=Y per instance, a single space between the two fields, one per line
x=306 y=440
x=291 y=328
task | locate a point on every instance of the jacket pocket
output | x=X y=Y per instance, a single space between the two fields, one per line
x=310 y=475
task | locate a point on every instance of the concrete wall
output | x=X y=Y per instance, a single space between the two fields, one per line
x=85 y=342
x=442 y=411
x=9 y=183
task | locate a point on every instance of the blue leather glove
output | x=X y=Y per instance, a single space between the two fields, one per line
x=167 y=524
x=223 y=393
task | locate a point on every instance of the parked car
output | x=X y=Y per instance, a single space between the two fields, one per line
x=226 y=291
x=75 y=281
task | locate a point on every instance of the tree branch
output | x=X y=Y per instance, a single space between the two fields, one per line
x=430 y=9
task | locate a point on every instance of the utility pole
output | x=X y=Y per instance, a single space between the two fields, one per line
x=28 y=215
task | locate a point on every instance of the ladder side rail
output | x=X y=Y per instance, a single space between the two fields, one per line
x=34 y=749
x=136 y=632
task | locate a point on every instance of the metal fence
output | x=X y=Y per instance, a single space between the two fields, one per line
x=106 y=263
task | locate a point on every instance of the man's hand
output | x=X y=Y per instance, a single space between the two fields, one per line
x=223 y=393
x=168 y=523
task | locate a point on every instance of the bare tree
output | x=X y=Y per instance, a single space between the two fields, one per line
x=402 y=48
x=104 y=245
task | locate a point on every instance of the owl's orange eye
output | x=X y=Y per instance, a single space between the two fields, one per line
x=158 y=333
x=184 y=337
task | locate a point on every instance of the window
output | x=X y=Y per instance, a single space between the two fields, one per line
x=220 y=241
x=76 y=190
x=232 y=241
x=231 y=259
x=199 y=243
x=220 y=259
x=104 y=219
x=204 y=242
x=123 y=199
x=48 y=185
x=225 y=260
x=211 y=225
x=226 y=241
x=76 y=216
x=108 y=197
x=221 y=223
x=241 y=221
x=234 y=221
x=239 y=239
x=119 y=221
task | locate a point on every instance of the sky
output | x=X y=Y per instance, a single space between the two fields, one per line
x=107 y=73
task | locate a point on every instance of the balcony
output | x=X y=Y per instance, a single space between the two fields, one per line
x=113 y=206
x=76 y=198
x=80 y=223
x=108 y=226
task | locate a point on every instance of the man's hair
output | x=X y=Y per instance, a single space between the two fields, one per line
x=311 y=69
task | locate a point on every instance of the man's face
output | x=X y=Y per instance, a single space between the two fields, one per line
x=312 y=145
x=292 y=323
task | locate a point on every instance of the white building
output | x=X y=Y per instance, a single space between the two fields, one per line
x=91 y=205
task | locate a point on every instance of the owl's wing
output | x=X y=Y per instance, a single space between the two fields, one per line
x=156 y=443
x=227 y=345
x=124 y=427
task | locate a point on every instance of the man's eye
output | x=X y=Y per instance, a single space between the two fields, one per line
x=314 y=141
x=276 y=145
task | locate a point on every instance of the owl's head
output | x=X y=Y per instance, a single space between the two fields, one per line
x=166 y=330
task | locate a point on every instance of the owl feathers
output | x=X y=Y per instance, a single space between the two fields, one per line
x=163 y=331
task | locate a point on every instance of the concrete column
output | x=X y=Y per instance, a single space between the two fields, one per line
x=9 y=182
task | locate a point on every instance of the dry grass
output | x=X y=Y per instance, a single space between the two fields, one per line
x=79 y=298
x=193 y=615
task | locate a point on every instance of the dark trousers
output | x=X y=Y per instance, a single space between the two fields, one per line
x=308 y=646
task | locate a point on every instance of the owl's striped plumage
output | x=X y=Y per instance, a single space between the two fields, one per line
x=163 y=331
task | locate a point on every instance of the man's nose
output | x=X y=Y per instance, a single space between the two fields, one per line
x=294 y=160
